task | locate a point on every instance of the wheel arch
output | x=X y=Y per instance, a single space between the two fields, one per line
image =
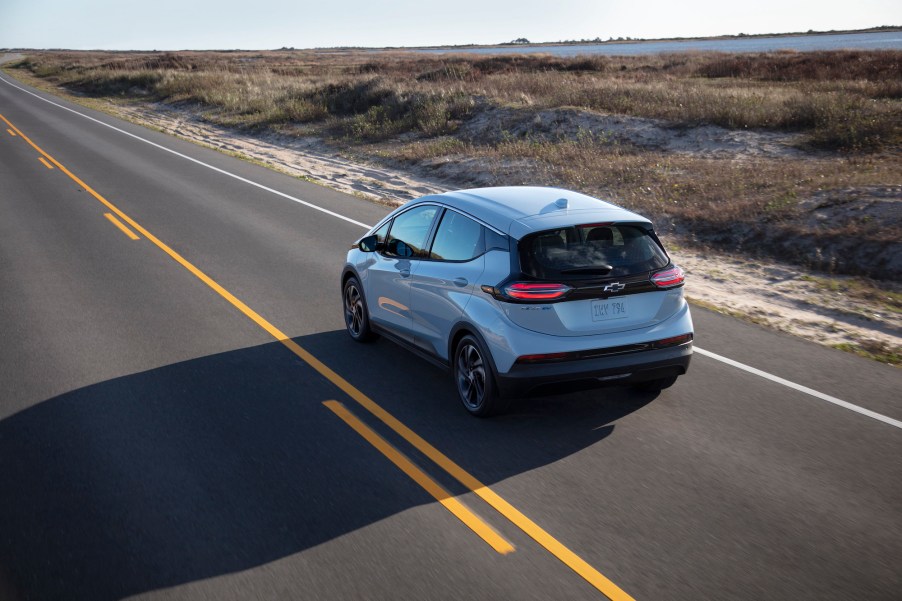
x=462 y=329
x=347 y=273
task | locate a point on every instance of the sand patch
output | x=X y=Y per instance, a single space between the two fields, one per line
x=305 y=157
x=495 y=124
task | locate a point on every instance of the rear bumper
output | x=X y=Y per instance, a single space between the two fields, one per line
x=582 y=374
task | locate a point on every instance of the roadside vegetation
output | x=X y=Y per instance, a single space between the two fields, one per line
x=824 y=191
x=844 y=100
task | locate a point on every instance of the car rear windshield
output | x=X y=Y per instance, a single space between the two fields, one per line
x=590 y=250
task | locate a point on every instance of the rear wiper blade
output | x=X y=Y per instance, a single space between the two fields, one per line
x=596 y=270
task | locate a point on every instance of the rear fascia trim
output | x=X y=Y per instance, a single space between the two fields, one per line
x=616 y=370
x=682 y=340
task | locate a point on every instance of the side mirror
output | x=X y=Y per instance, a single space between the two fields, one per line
x=369 y=244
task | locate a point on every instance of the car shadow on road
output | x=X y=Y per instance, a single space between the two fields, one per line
x=533 y=432
x=226 y=462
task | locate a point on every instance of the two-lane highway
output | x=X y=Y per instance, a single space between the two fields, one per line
x=182 y=416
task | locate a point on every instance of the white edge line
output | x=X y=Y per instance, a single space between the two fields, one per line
x=767 y=376
x=193 y=160
x=800 y=388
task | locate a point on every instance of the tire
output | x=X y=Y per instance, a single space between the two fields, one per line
x=474 y=380
x=656 y=385
x=357 y=316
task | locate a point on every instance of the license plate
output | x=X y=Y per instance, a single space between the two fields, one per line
x=604 y=310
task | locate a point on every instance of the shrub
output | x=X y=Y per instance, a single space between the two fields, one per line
x=354 y=98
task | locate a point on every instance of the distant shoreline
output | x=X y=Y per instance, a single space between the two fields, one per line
x=501 y=46
x=741 y=36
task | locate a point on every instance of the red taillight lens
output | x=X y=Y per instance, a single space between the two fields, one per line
x=536 y=291
x=668 y=278
x=542 y=358
x=675 y=341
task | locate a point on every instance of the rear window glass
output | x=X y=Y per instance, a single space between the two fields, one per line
x=590 y=251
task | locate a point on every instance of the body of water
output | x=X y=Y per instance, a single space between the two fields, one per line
x=884 y=40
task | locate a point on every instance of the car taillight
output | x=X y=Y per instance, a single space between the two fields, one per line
x=668 y=278
x=542 y=358
x=675 y=341
x=536 y=291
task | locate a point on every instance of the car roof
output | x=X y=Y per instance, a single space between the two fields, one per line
x=520 y=210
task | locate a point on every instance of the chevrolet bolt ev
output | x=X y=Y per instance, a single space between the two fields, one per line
x=522 y=290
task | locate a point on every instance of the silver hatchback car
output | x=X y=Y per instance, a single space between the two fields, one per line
x=522 y=290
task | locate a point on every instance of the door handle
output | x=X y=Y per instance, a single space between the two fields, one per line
x=461 y=282
x=405 y=273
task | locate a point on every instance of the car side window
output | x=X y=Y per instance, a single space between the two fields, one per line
x=408 y=232
x=458 y=238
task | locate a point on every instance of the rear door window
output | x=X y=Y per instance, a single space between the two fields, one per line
x=458 y=238
x=591 y=250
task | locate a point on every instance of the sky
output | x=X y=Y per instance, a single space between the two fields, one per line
x=269 y=24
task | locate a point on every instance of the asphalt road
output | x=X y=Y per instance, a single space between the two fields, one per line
x=157 y=442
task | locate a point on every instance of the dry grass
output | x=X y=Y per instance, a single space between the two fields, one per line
x=407 y=108
x=844 y=100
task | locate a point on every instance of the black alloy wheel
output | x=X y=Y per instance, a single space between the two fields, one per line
x=475 y=382
x=357 y=318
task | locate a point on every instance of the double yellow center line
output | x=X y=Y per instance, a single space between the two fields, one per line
x=122 y=227
x=457 y=508
x=543 y=538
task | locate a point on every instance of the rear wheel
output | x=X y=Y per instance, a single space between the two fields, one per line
x=474 y=379
x=357 y=316
x=656 y=385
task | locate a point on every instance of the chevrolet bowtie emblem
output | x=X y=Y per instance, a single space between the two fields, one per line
x=615 y=287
